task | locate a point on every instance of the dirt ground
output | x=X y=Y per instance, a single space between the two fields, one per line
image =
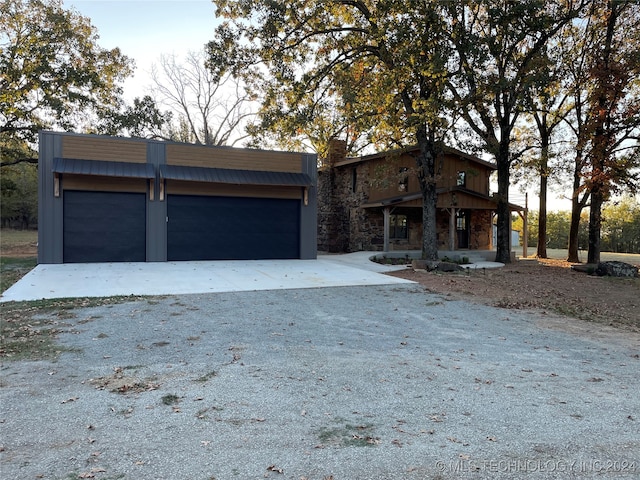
x=542 y=284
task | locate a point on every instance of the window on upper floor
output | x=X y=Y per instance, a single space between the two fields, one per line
x=461 y=180
x=403 y=182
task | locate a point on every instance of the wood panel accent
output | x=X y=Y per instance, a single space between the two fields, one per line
x=103 y=184
x=476 y=178
x=179 y=187
x=464 y=201
x=385 y=176
x=234 y=158
x=107 y=149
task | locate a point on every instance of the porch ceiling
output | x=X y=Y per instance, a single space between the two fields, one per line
x=464 y=198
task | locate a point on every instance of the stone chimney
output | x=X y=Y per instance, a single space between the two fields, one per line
x=337 y=151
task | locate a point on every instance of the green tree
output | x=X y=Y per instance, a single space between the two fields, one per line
x=392 y=54
x=53 y=71
x=613 y=116
x=19 y=195
x=621 y=226
x=500 y=56
x=142 y=119
x=54 y=75
x=549 y=105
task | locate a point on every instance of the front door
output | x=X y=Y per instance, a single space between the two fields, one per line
x=462 y=228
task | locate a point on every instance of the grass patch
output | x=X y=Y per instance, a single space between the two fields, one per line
x=349 y=436
x=170 y=399
x=24 y=240
x=28 y=329
x=207 y=376
x=13 y=269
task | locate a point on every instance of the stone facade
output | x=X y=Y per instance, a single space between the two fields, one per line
x=345 y=225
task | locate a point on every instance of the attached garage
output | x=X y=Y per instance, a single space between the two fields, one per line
x=105 y=199
x=104 y=227
x=232 y=228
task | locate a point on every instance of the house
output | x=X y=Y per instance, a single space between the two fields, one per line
x=374 y=202
x=107 y=199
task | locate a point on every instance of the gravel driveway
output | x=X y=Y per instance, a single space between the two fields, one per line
x=376 y=382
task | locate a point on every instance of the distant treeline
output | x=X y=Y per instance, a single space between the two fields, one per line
x=620 y=227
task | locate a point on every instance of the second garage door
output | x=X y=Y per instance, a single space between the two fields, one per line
x=232 y=228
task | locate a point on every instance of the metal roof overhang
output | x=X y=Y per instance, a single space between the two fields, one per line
x=399 y=200
x=388 y=202
x=103 y=168
x=237 y=177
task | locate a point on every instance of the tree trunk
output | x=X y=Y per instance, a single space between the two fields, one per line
x=503 y=228
x=595 y=226
x=426 y=162
x=576 y=210
x=544 y=179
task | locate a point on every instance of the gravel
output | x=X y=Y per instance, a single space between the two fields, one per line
x=377 y=382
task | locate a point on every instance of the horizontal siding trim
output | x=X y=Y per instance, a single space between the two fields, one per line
x=179 y=187
x=94 y=183
x=107 y=149
x=235 y=158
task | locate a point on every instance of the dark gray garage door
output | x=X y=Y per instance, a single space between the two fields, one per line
x=104 y=227
x=232 y=228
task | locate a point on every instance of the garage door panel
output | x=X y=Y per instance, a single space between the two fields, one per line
x=217 y=228
x=104 y=227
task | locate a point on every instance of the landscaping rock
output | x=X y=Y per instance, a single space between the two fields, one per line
x=449 y=267
x=616 y=269
x=428 y=265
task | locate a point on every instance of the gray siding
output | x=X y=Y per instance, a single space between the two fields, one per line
x=309 y=212
x=50 y=207
x=156 y=209
x=50 y=234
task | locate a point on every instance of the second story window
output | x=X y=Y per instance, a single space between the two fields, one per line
x=461 y=180
x=403 y=182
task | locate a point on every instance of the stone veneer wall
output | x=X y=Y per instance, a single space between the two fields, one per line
x=343 y=226
x=480 y=235
x=332 y=219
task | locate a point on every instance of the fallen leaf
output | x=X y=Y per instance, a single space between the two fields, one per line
x=273 y=468
x=69 y=400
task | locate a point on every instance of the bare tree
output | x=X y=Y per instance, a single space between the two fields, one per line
x=210 y=109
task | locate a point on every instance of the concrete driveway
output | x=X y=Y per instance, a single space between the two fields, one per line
x=165 y=278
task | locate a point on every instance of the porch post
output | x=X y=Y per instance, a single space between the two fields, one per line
x=452 y=229
x=386 y=212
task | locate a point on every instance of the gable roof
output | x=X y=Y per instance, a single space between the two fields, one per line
x=410 y=150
